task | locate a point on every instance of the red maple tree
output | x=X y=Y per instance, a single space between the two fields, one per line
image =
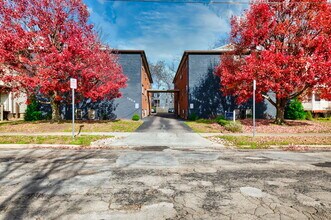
x=285 y=45
x=44 y=43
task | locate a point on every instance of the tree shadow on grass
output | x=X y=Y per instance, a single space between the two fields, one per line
x=45 y=181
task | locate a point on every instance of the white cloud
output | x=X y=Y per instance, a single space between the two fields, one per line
x=185 y=27
x=167 y=30
x=90 y=10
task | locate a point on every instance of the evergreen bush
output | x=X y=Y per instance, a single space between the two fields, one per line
x=294 y=110
x=223 y=122
x=32 y=112
x=135 y=117
x=193 y=117
x=220 y=117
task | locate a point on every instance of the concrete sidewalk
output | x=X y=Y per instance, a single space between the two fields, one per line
x=126 y=134
x=268 y=134
x=115 y=134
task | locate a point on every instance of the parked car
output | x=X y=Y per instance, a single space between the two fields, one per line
x=171 y=110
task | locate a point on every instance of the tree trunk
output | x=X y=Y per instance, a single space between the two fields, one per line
x=280 y=107
x=55 y=110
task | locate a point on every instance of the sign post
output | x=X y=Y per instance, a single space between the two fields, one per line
x=254 y=89
x=73 y=86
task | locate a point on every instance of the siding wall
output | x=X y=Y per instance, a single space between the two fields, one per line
x=125 y=106
x=204 y=93
x=204 y=87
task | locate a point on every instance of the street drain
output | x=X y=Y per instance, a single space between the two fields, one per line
x=151 y=148
x=326 y=164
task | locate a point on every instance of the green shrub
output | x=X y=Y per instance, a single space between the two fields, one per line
x=223 y=122
x=193 y=117
x=135 y=117
x=234 y=126
x=294 y=110
x=309 y=116
x=32 y=112
x=220 y=117
x=205 y=121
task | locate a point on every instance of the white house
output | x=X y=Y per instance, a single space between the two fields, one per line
x=315 y=104
x=11 y=105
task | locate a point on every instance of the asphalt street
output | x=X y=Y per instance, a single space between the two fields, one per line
x=165 y=172
x=164 y=184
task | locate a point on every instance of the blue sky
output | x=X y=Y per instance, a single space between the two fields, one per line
x=163 y=30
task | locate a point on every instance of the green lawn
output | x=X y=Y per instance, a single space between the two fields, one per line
x=266 y=142
x=84 y=140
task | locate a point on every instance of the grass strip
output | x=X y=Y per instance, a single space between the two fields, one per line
x=65 y=126
x=267 y=141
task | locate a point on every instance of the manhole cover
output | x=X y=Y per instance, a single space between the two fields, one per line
x=326 y=164
x=151 y=148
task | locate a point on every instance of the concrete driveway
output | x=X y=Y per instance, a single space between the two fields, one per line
x=166 y=184
x=163 y=130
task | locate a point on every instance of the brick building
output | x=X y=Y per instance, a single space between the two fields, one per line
x=135 y=98
x=199 y=88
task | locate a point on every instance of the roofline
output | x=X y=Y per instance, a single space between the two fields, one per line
x=197 y=52
x=143 y=56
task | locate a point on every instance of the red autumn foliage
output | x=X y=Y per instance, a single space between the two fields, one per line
x=44 y=43
x=285 y=46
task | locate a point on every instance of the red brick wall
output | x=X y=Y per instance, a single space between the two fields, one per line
x=145 y=84
x=181 y=83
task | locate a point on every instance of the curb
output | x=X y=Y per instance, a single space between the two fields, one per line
x=30 y=146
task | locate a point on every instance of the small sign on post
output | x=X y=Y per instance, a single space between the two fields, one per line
x=73 y=86
x=73 y=83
